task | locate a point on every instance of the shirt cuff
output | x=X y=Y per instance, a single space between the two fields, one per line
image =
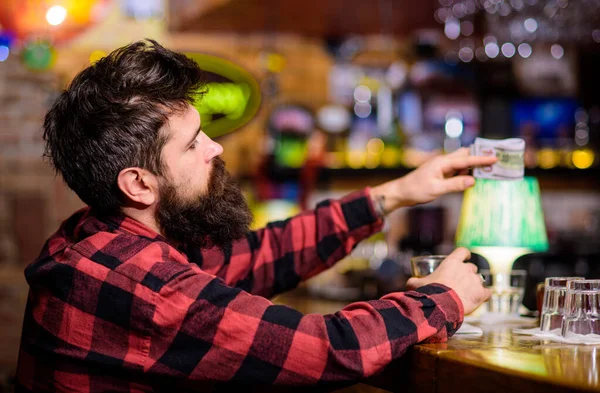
x=450 y=305
x=359 y=211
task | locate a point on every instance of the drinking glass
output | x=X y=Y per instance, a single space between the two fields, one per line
x=553 y=305
x=508 y=290
x=424 y=265
x=582 y=308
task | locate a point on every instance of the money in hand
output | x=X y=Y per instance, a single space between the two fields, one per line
x=510 y=152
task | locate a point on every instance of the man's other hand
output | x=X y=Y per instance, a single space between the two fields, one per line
x=460 y=276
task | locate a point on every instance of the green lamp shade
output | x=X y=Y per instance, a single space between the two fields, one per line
x=232 y=95
x=503 y=213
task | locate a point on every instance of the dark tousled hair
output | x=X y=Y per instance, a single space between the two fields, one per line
x=110 y=118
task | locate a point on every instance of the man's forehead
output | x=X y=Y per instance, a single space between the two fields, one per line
x=182 y=124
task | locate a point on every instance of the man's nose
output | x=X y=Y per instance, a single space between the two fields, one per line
x=214 y=149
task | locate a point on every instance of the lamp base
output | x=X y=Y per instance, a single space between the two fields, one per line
x=501 y=259
x=505 y=300
x=507 y=285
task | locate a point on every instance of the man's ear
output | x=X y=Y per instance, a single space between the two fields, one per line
x=138 y=185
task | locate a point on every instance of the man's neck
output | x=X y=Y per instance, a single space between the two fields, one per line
x=145 y=217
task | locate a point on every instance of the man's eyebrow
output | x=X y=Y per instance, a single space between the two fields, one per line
x=195 y=135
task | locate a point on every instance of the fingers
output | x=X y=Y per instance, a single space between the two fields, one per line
x=458 y=183
x=472 y=266
x=461 y=161
x=461 y=254
x=413 y=283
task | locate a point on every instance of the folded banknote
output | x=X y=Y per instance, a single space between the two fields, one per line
x=510 y=165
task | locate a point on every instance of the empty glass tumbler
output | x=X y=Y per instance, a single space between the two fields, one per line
x=553 y=305
x=582 y=308
x=507 y=290
x=424 y=265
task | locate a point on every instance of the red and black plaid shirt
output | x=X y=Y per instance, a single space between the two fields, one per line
x=114 y=307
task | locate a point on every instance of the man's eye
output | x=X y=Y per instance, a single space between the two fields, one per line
x=193 y=145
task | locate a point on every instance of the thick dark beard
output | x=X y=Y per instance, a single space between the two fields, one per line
x=217 y=218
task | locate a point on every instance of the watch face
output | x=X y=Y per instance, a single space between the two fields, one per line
x=232 y=95
x=334 y=118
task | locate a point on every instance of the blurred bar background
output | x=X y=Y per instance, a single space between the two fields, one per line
x=354 y=93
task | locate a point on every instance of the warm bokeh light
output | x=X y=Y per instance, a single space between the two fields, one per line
x=583 y=159
x=372 y=160
x=56 y=15
x=567 y=159
x=334 y=160
x=390 y=157
x=375 y=146
x=356 y=159
x=274 y=62
x=30 y=19
x=548 y=158
x=96 y=55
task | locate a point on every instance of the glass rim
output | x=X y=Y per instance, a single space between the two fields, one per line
x=560 y=282
x=419 y=258
x=518 y=272
x=583 y=285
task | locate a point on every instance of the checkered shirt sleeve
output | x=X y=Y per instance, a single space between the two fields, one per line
x=278 y=257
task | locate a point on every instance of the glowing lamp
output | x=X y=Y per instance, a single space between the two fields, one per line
x=502 y=220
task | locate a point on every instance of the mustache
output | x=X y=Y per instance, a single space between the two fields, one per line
x=219 y=176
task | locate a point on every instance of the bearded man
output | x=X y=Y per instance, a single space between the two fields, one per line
x=158 y=285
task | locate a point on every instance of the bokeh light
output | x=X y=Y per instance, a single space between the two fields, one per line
x=56 y=15
x=38 y=55
x=548 y=158
x=492 y=50
x=525 y=50
x=4 y=52
x=530 y=24
x=508 y=50
x=583 y=159
x=30 y=19
x=557 y=51
x=362 y=93
x=96 y=55
x=465 y=54
x=375 y=146
x=452 y=29
x=454 y=126
x=362 y=109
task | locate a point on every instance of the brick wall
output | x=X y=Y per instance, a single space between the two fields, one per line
x=32 y=200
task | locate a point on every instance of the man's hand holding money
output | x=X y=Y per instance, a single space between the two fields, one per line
x=510 y=154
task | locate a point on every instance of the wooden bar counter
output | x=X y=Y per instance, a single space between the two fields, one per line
x=497 y=361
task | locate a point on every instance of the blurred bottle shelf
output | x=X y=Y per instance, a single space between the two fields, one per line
x=554 y=178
